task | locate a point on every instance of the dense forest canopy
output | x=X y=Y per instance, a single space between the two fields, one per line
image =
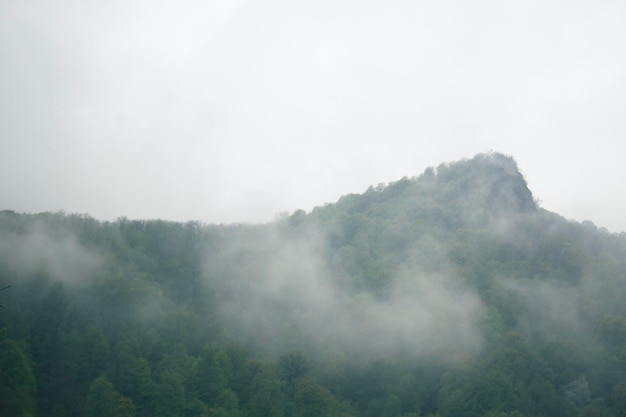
x=448 y=294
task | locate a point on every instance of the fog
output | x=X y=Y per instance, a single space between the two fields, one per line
x=55 y=253
x=289 y=297
x=233 y=111
x=431 y=295
x=285 y=286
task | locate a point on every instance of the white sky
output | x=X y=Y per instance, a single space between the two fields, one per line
x=229 y=111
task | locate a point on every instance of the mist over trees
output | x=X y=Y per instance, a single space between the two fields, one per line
x=448 y=294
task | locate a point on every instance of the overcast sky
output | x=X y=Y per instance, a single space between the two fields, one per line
x=234 y=111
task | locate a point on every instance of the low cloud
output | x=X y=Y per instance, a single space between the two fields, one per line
x=60 y=256
x=285 y=292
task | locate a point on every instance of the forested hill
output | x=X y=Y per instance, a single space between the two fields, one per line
x=448 y=294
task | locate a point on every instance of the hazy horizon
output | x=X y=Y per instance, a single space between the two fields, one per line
x=236 y=111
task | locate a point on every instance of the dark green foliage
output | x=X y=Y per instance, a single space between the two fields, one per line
x=103 y=400
x=312 y=400
x=297 y=317
x=17 y=384
x=293 y=366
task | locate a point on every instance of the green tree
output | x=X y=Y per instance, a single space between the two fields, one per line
x=17 y=384
x=312 y=400
x=103 y=400
x=293 y=366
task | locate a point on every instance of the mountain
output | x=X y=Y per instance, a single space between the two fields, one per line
x=450 y=293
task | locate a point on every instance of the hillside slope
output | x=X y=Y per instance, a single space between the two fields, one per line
x=451 y=293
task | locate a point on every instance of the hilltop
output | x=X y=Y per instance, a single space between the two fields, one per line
x=449 y=293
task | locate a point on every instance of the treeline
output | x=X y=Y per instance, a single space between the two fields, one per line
x=447 y=294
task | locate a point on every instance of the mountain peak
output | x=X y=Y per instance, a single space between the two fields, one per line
x=488 y=178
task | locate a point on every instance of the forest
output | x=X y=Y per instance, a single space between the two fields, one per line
x=452 y=293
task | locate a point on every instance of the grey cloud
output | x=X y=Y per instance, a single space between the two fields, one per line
x=235 y=110
x=290 y=290
x=42 y=250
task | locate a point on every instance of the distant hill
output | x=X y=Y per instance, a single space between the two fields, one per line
x=452 y=293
